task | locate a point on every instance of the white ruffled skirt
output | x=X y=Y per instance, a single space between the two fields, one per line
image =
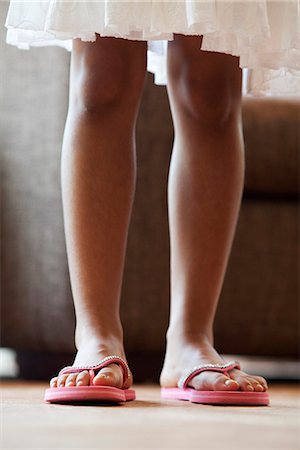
x=265 y=34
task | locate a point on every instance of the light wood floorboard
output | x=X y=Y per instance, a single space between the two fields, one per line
x=147 y=423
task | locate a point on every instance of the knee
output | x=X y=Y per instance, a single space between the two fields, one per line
x=107 y=85
x=212 y=98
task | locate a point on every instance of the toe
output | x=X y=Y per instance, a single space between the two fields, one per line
x=248 y=383
x=245 y=383
x=225 y=383
x=111 y=375
x=262 y=381
x=53 y=382
x=213 y=381
x=83 y=378
x=71 y=380
x=61 y=380
x=258 y=387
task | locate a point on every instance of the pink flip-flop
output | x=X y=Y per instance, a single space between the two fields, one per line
x=183 y=392
x=91 y=393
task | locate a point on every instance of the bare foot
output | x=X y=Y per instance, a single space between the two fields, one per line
x=90 y=353
x=182 y=356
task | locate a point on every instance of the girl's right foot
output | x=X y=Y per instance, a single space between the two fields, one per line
x=90 y=353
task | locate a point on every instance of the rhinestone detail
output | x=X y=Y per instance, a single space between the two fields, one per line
x=107 y=358
x=202 y=367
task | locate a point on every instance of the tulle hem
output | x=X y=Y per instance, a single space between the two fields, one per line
x=267 y=41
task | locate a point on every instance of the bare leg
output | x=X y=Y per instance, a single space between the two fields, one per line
x=204 y=192
x=98 y=184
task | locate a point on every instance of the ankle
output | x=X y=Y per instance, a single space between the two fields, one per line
x=99 y=338
x=189 y=337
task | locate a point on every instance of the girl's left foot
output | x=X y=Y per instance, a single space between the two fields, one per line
x=183 y=356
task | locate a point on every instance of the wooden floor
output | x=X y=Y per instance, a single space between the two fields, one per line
x=147 y=423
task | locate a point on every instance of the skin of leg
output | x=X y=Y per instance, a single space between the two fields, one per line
x=205 y=186
x=98 y=175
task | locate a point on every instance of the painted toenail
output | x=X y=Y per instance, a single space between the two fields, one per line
x=250 y=387
x=228 y=382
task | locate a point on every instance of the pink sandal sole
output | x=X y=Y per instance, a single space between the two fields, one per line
x=216 y=397
x=91 y=393
x=183 y=392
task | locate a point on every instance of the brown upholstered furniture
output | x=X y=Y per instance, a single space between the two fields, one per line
x=258 y=312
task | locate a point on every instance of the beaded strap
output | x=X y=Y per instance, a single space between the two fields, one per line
x=103 y=363
x=183 y=381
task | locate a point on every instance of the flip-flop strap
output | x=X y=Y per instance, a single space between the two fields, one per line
x=103 y=363
x=184 y=380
